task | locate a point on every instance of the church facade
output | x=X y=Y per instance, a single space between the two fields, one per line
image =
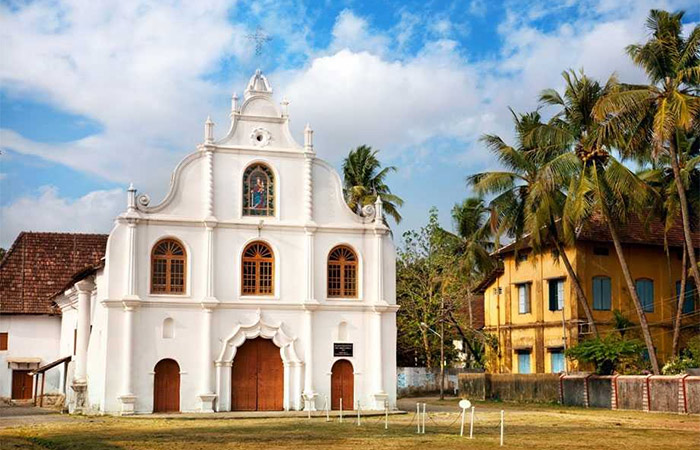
x=251 y=286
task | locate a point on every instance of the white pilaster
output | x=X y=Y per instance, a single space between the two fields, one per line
x=307 y=330
x=207 y=395
x=131 y=264
x=84 y=288
x=127 y=398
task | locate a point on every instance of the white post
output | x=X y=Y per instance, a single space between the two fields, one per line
x=84 y=288
x=501 y=428
x=471 y=425
x=418 y=417
x=328 y=419
x=341 y=409
x=461 y=426
x=424 y=414
x=386 y=416
x=358 y=413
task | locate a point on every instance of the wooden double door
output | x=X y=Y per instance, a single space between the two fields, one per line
x=166 y=386
x=257 y=377
x=342 y=385
x=21 y=385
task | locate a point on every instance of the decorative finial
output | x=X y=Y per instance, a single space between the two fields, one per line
x=308 y=138
x=378 y=211
x=208 y=131
x=234 y=103
x=285 y=107
x=131 y=198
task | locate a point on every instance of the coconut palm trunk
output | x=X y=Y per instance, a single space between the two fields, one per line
x=685 y=215
x=679 y=307
x=633 y=293
x=583 y=301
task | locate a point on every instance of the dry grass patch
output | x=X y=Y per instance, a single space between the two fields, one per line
x=547 y=427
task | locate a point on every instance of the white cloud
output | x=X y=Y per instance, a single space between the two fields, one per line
x=47 y=211
x=352 y=32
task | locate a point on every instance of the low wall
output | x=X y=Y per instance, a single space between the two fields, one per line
x=675 y=394
x=510 y=387
x=415 y=381
x=600 y=391
x=630 y=392
x=573 y=390
x=692 y=394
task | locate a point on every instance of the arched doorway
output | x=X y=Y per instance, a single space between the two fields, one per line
x=342 y=385
x=166 y=386
x=257 y=377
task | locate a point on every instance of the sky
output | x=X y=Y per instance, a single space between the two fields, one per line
x=96 y=95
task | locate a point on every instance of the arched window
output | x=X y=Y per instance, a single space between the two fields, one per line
x=258 y=191
x=257 y=269
x=168 y=267
x=342 y=272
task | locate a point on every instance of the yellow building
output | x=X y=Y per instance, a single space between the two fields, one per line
x=531 y=304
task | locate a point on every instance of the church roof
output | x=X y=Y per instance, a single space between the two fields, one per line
x=39 y=264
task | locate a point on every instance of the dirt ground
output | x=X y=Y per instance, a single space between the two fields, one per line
x=526 y=426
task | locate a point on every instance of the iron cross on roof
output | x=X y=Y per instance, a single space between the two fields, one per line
x=260 y=38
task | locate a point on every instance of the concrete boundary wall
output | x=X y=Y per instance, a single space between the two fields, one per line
x=662 y=393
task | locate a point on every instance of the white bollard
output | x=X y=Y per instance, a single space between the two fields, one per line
x=471 y=425
x=424 y=418
x=358 y=413
x=461 y=426
x=386 y=415
x=328 y=418
x=418 y=417
x=501 y=428
x=341 y=409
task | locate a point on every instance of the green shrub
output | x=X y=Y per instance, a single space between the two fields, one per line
x=605 y=353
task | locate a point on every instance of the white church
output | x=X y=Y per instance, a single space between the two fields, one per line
x=250 y=286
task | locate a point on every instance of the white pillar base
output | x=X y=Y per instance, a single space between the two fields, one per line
x=310 y=401
x=128 y=402
x=207 y=403
x=379 y=401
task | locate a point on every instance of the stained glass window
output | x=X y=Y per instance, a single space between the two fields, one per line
x=342 y=272
x=168 y=267
x=258 y=191
x=257 y=277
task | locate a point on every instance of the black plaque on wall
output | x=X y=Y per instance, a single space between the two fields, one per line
x=342 y=349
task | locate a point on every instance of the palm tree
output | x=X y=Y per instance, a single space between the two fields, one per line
x=469 y=248
x=609 y=189
x=600 y=184
x=528 y=196
x=660 y=176
x=639 y=116
x=364 y=179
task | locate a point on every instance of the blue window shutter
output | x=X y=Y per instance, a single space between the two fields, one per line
x=607 y=294
x=523 y=362
x=557 y=362
x=602 y=293
x=689 y=301
x=560 y=294
x=553 y=301
x=645 y=291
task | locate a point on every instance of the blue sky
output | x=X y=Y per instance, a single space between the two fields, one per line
x=96 y=95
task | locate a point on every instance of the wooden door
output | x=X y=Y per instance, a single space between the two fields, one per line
x=21 y=385
x=257 y=377
x=166 y=387
x=342 y=385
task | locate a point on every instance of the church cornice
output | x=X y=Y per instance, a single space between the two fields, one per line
x=263 y=305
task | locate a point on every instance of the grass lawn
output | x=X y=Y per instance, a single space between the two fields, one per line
x=530 y=426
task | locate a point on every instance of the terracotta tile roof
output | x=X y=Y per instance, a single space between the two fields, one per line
x=635 y=231
x=39 y=264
